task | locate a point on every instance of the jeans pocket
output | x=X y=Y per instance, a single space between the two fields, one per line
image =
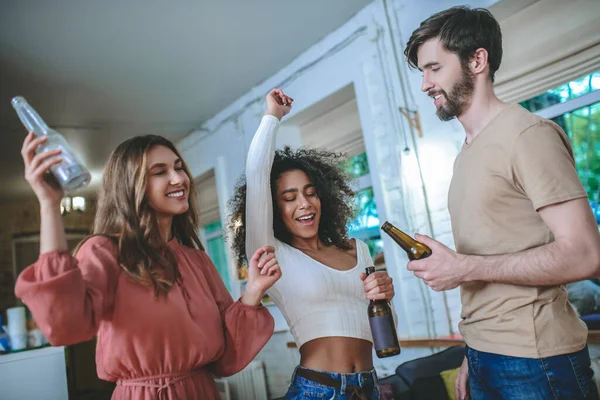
x=303 y=389
x=318 y=395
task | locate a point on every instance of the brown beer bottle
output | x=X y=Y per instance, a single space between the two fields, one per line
x=415 y=250
x=383 y=328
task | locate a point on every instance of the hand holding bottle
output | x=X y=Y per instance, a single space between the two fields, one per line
x=381 y=320
x=438 y=266
x=37 y=167
x=70 y=173
x=378 y=286
x=444 y=269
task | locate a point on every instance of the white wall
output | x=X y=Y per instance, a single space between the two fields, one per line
x=375 y=66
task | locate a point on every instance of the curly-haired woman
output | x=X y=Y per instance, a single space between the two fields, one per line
x=164 y=319
x=300 y=202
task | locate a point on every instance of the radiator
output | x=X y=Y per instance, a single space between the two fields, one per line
x=249 y=384
x=223 y=388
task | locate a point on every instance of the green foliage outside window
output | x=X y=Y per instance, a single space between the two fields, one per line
x=215 y=248
x=581 y=125
x=562 y=93
x=366 y=225
x=356 y=166
x=583 y=128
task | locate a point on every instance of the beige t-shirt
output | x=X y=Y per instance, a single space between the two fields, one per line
x=518 y=164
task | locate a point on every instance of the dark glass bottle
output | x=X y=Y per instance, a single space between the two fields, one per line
x=415 y=250
x=383 y=328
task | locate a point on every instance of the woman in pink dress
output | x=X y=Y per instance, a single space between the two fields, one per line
x=142 y=282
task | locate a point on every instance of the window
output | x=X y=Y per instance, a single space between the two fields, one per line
x=564 y=93
x=209 y=220
x=575 y=106
x=583 y=127
x=366 y=225
x=215 y=248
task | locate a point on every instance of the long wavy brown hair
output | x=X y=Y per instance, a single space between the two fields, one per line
x=124 y=215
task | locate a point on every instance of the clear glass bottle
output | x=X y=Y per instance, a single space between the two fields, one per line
x=71 y=174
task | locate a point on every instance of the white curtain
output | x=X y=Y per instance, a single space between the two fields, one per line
x=546 y=43
x=208 y=200
x=337 y=130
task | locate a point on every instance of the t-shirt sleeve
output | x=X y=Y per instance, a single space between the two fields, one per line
x=543 y=166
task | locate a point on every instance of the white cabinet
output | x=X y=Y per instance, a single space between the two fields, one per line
x=34 y=374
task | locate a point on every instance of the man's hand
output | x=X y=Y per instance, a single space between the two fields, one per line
x=461 y=385
x=444 y=269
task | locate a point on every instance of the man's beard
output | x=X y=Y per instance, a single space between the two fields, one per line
x=459 y=98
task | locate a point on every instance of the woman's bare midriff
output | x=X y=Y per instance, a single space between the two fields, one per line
x=337 y=354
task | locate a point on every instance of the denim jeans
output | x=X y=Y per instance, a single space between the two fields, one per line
x=567 y=376
x=304 y=389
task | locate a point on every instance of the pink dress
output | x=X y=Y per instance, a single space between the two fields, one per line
x=153 y=348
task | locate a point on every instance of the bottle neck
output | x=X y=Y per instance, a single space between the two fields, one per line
x=378 y=301
x=30 y=118
x=405 y=241
x=369 y=271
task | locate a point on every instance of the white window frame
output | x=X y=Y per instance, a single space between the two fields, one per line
x=212 y=235
x=361 y=183
x=364 y=182
x=569 y=105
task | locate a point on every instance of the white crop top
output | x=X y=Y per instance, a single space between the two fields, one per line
x=316 y=300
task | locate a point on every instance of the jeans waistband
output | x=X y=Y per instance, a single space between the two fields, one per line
x=357 y=379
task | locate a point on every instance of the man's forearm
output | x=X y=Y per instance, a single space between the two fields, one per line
x=551 y=264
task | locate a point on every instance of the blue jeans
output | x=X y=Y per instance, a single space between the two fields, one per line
x=567 y=376
x=304 y=389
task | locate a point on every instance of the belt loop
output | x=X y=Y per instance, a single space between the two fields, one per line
x=374 y=375
x=294 y=374
x=343 y=384
x=362 y=377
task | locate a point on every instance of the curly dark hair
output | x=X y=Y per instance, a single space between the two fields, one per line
x=332 y=185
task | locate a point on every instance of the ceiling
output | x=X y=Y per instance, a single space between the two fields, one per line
x=101 y=72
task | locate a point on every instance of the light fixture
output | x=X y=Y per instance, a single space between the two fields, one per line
x=79 y=204
x=72 y=203
x=65 y=205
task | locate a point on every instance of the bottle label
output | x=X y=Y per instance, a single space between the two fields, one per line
x=384 y=332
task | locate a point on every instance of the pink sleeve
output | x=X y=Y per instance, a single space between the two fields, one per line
x=247 y=328
x=69 y=296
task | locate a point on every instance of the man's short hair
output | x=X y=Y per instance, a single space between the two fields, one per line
x=461 y=30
